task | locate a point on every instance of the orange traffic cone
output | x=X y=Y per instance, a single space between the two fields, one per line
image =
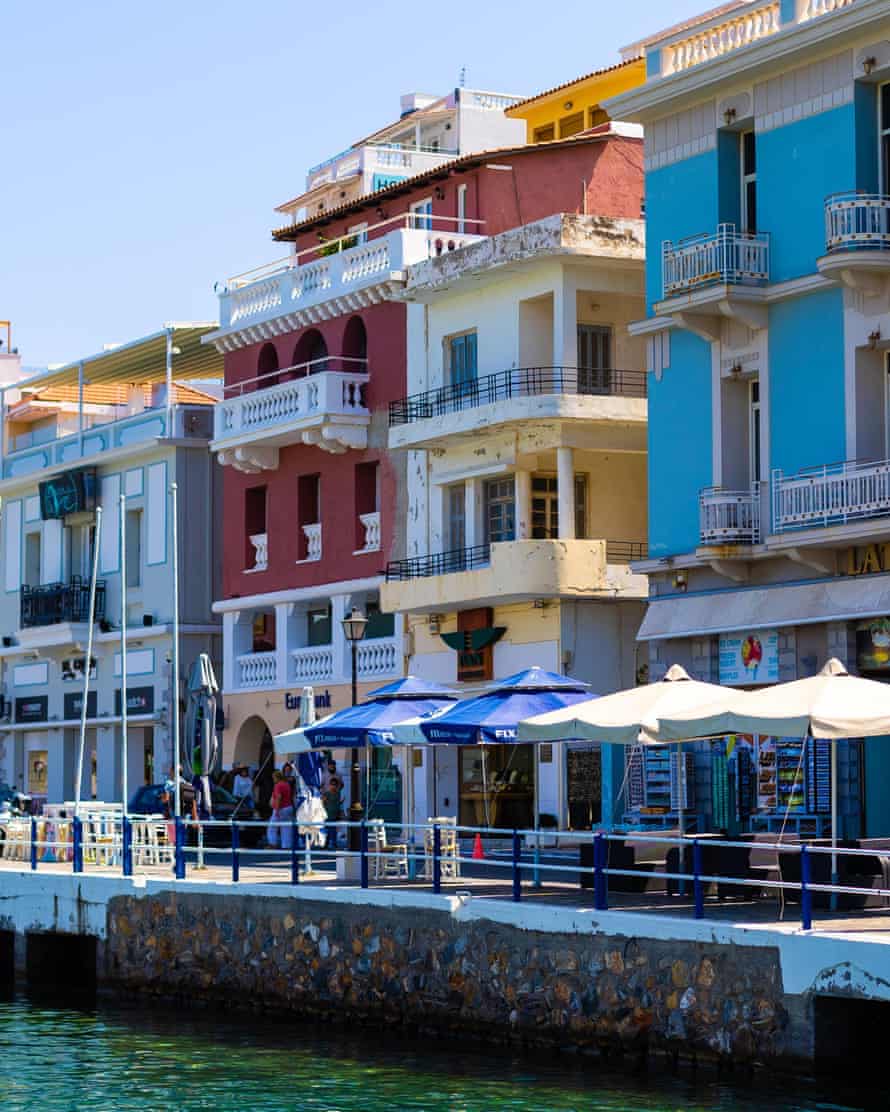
x=478 y=852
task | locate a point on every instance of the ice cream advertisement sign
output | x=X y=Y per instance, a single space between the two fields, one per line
x=749 y=658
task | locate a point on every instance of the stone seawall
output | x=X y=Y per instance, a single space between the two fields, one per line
x=426 y=968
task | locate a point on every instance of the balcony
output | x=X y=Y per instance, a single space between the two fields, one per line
x=402 y=159
x=370 y=523
x=513 y=571
x=857 y=240
x=55 y=603
x=517 y=395
x=727 y=258
x=257 y=670
x=260 y=542
x=312 y=538
x=321 y=403
x=347 y=272
x=729 y=517
x=838 y=494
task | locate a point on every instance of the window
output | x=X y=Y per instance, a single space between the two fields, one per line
x=571 y=125
x=32 y=559
x=461 y=209
x=379 y=624
x=545 y=512
x=594 y=359
x=255 y=527
x=754 y=429
x=133 y=547
x=885 y=137
x=456 y=517
x=462 y=359
x=545 y=134
x=748 y=151
x=267 y=367
x=422 y=214
x=318 y=626
x=308 y=516
x=80 y=541
x=263 y=633
x=367 y=502
x=359 y=231
x=500 y=510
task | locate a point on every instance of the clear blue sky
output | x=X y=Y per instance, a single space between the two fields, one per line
x=145 y=144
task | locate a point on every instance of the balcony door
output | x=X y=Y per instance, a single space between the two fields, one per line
x=884 y=124
x=594 y=359
x=754 y=430
x=748 y=160
x=80 y=544
x=545 y=508
x=456 y=509
x=500 y=510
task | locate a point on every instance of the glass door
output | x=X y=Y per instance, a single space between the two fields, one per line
x=500 y=510
x=594 y=359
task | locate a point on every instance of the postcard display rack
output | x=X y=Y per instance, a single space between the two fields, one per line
x=733 y=783
x=793 y=785
x=660 y=784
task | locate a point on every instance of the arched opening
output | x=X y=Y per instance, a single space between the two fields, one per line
x=355 y=345
x=310 y=354
x=254 y=747
x=267 y=367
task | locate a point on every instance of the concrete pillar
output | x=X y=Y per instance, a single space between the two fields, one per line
x=135 y=759
x=565 y=483
x=341 y=650
x=283 y=612
x=565 y=324
x=523 y=505
x=612 y=757
x=108 y=764
x=473 y=528
x=60 y=768
x=230 y=621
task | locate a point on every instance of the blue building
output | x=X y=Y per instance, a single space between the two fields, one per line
x=768 y=285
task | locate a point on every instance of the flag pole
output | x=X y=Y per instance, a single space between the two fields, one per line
x=125 y=795
x=175 y=707
x=86 y=665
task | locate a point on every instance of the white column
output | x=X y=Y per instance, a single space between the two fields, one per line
x=59 y=777
x=230 y=624
x=135 y=753
x=283 y=612
x=565 y=324
x=565 y=492
x=107 y=764
x=523 y=481
x=341 y=649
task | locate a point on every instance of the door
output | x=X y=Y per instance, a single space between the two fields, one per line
x=462 y=369
x=884 y=125
x=422 y=214
x=748 y=159
x=457 y=517
x=500 y=510
x=754 y=431
x=594 y=359
x=545 y=508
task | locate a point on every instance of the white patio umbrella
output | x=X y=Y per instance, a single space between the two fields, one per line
x=830 y=705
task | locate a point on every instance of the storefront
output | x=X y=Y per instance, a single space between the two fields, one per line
x=497 y=786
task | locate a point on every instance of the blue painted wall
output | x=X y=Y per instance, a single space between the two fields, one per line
x=681 y=200
x=797 y=167
x=877 y=777
x=679 y=446
x=806 y=359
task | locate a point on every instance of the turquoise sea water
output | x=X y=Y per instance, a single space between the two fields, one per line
x=131 y=1058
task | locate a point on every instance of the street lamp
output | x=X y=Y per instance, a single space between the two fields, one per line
x=354 y=628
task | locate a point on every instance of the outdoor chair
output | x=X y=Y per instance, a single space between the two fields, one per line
x=389 y=860
x=449 y=848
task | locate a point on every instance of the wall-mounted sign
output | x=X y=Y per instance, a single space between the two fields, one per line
x=72 y=492
x=33 y=708
x=873 y=645
x=74 y=704
x=867 y=560
x=38 y=771
x=749 y=658
x=140 y=700
x=322 y=700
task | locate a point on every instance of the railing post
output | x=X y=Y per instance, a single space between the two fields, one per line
x=127 y=847
x=437 y=863
x=517 y=874
x=294 y=857
x=77 y=845
x=697 y=885
x=33 y=844
x=236 y=843
x=806 y=896
x=363 y=845
x=600 y=880
x=179 y=849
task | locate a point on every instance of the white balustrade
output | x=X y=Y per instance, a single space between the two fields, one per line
x=722 y=38
x=313 y=664
x=257 y=670
x=260 y=542
x=812 y=9
x=290 y=284
x=378 y=656
x=729 y=257
x=857 y=221
x=831 y=495
x=336 y=393
x=312 y=533
x=729 y=516
x=371 y=525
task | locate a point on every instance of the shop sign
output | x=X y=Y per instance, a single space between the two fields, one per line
x=32 y=708
x=868 y=560
x=749 y=658
x=37 y=772
x=873 y=645
x=74 y=704
x=140 y=700
x=322 y=700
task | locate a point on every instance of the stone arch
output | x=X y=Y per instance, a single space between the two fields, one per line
x=355 y=343
x=311 y=348
x=267 y=366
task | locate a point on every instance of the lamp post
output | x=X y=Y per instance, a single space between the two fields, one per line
x=354 y=627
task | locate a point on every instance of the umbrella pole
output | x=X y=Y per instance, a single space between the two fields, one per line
x=681 y=816
x=124 y=726
x=834 y=809
x=536 y=873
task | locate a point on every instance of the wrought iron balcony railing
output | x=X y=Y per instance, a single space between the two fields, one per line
x=61 y=602
x=439 y=563
x=857 y=222
x=728 y=257
x=518 y=382
x=729 y=516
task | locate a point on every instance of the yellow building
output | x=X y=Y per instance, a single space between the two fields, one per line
x=577 y=105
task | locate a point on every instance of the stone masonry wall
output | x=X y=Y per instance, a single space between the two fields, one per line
x=479 y=978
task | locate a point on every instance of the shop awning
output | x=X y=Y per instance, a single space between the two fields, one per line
x=782 y=604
